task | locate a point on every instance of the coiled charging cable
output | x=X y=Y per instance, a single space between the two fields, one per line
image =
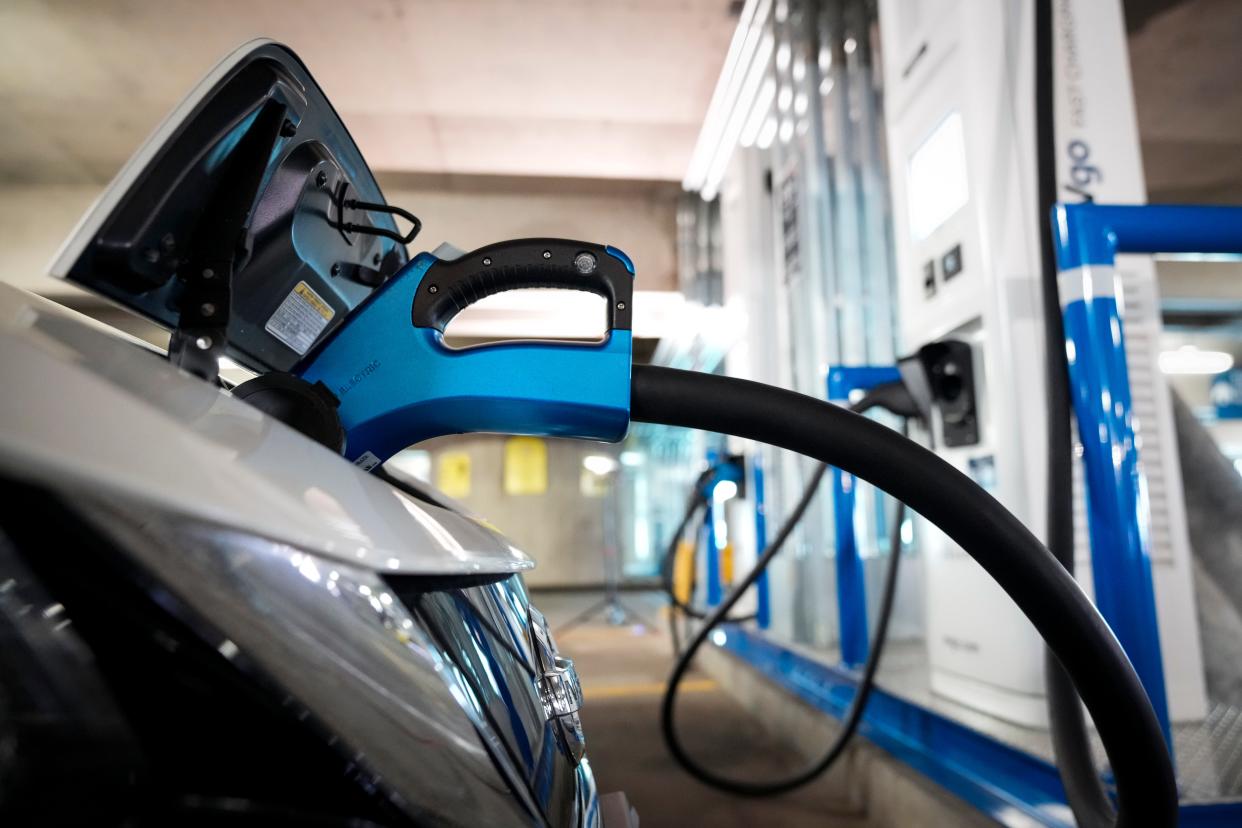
x=894 y=397
x=1038 y=584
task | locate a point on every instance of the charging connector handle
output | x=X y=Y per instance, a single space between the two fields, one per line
x=1038 y=584
x=399 y=383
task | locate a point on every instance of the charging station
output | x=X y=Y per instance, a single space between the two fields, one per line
x=961 y=142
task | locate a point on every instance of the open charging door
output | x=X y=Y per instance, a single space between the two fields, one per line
x=248 y=223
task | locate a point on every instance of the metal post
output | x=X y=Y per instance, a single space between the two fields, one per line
x=851 y=576
x=715 y=586
x=763 y=607
x=1088 y=237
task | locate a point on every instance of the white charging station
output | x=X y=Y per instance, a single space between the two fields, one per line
x=959 y=79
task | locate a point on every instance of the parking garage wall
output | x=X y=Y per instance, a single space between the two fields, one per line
x=563 y=529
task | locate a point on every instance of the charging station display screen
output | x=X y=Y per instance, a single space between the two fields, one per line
x=937 y=177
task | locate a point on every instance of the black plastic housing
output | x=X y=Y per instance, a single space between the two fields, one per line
x=146 y=227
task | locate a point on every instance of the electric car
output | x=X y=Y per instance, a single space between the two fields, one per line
x=207 y=615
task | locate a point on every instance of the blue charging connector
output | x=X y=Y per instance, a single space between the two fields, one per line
x=398 y=383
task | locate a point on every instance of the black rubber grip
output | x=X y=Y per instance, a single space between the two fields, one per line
x=450 y=287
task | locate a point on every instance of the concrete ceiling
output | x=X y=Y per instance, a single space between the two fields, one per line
x=1187 y=64
x=597 y=88
x=612 y=89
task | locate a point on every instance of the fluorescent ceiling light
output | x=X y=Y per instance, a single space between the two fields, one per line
x=742 y=46
x=763 y=105
x=632 y=458
x=733 y=129
x=1190 y=360
x=785 y=99
x=599 y=464
x=749 y=55
x=787 y=128
x=767 y=133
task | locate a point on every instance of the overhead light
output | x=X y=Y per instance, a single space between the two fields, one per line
x=599 y=464
x=724 y=97
x=785 y=98
x=787 y=129
x=632 y=458
x=725 y=490
x=763 y=105
x=766 y=134
x=1190 y=360
x=729 y=138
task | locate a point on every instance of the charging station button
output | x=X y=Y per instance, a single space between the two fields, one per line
x=951 y=262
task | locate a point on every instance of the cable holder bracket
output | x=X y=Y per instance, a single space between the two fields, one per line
x=370 y=230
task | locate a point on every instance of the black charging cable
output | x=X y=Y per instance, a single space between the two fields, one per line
x=897 y=399
x=892 y=396
x=1012 y=556
x=667 y=564
x=1071 y=742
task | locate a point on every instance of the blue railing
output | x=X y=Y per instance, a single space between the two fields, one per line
x=763 y=601
x=851 y=576
x=1011 y=785
x=1088 y=238
x=723 y=469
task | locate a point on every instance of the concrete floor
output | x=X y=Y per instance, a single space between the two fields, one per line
x=623 y=669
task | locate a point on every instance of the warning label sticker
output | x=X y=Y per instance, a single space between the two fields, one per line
x=300 y=318
x=367 y=461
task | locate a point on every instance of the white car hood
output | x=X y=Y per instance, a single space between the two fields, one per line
x=83 y=405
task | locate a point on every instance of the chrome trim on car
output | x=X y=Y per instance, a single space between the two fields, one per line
x=559 y=689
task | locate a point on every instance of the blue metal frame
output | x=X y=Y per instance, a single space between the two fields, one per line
x=1093 y=234
x=715 y=582
x=851 y=577
x=722 y=469
x=1088 y=237
x=1009 y=785
x=763 y=605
